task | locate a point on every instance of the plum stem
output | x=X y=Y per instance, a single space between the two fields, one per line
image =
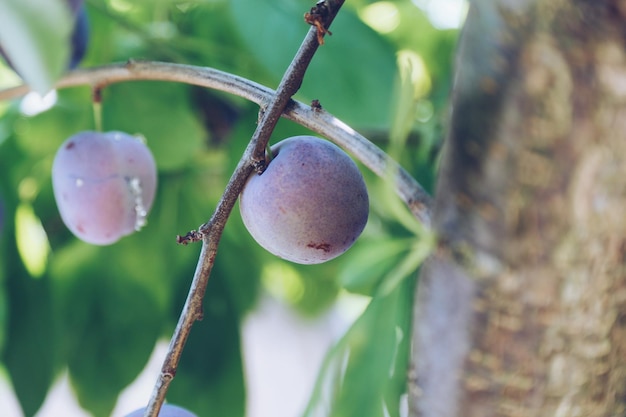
x=96 y=100
x=269 y=155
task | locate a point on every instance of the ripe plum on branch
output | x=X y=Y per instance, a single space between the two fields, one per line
x=309 y=205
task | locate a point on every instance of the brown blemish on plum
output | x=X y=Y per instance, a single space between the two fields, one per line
x=70 y=145
x=322 y=246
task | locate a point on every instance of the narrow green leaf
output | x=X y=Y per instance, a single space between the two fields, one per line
x=369 y=261
x=364 y=373
x=418 y=253
x=35 y=35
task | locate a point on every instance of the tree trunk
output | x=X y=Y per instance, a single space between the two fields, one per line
x=522 y=309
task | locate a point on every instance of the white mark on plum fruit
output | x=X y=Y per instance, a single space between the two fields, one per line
x=134 y=184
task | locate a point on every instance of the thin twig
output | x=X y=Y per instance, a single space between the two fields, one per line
x=290 y=83
x=253 y=157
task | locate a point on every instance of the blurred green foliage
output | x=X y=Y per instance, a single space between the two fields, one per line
x=98 y=311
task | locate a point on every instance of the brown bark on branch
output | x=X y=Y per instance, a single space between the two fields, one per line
x=252 y=158
x=522 y=310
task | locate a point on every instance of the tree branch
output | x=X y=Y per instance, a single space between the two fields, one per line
x=253 y=157
x=315 y=119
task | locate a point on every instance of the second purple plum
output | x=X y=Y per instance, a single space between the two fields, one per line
x=104 y=185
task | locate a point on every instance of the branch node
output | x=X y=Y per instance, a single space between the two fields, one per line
x=190 y=237
x=96 y=93
x=315 y=105
x=169 y=373
x=262 y=108
x=259 y=164
x=318 y=17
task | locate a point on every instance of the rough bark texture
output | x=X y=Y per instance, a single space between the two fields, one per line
x=522 y=310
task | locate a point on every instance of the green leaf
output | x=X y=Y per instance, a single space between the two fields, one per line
x=41 y=135
x=369 y=260
x=31 y=354
x=364 y=374
x=162 y=113
x=112 y=316
x=352 y=74
x=209 y=380
x=35 y=36
x=243 y=277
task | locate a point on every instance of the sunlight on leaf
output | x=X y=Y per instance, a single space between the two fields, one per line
x=414 y=83
x=32 y=241
x=414 y=72
x=382 y=16
x=283 y=281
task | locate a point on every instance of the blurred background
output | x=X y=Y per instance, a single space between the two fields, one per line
x=83 y=328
